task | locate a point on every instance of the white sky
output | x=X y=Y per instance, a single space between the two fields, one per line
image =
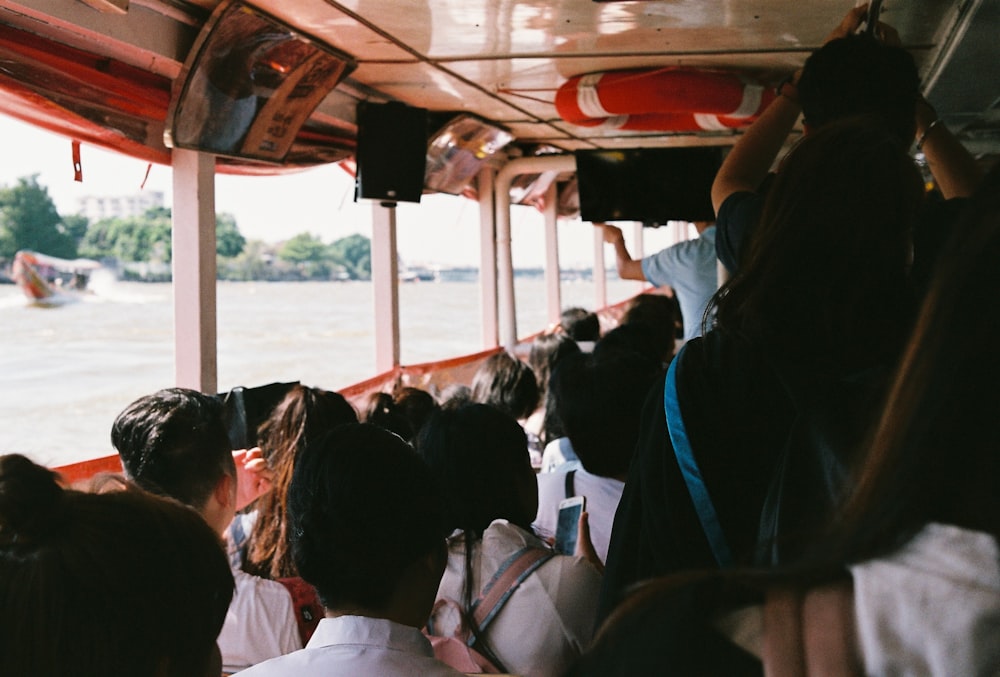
x=441 y=229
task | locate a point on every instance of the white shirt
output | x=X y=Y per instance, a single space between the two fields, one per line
x=603 y=495
x=359 y=646
x=933 y=607
x=260 y=623
x=549 y=619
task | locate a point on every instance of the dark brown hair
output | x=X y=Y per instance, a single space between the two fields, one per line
x=303 y=416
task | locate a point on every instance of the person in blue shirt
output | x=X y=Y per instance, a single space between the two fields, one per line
x=689 y=268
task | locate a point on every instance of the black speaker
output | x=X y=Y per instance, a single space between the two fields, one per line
x=392 y=152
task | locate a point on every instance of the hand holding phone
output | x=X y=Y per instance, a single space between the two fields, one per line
x=567 y=524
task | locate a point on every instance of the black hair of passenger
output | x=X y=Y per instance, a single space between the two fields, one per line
x=174 y=443
x=661 y=314
x=479 y=456
x=363 y=508
x=580 y=324
x=118 y=583
x=636 y=338
x=858 y=75
x=936 y=451
x=599 y=399
x=416 y=405
x=546 y=350
x=505 y=382
x=383 y=412
x=825 y=280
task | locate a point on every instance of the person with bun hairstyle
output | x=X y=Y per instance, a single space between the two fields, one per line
x=120 y=583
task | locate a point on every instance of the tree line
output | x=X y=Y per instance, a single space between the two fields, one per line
x=29 y=220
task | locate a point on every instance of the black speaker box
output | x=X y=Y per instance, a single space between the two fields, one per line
x=392 y=152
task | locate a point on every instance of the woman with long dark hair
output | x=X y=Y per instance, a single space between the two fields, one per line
x=303 y=416
x=480 y=458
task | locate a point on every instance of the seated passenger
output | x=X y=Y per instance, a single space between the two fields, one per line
x=303 y=416
x=508 y=384
x=416 y=405
x=173 y=443
x=118 y=583
x=581 y=325
x=546 y=350
x=598 y=398
x=661 y=314
x=479 y=456
x=403 y=412
x=368 y=531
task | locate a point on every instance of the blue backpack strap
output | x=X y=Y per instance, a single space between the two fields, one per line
x=689 y=469
x=570 y=488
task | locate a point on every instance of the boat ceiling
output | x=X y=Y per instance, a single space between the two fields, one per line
x=503 y=60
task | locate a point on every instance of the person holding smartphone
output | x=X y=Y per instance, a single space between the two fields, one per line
x=480 y=457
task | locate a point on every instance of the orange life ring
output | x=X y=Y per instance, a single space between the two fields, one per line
x=662 y=99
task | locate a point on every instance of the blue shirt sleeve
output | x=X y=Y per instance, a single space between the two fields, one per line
x=738 y=216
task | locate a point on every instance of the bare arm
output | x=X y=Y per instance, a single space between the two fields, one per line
x=953 y=167
x=628 y=268
x=747 y=164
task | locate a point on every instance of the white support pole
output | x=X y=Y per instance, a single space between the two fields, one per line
x=488 y=259
x=385 y=286
x=506 y=310
x=505 y=265
x=553 y=291
x=600 y=274
x=194 y=271
x=639 y=232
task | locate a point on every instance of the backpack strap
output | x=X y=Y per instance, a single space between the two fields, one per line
x=570 y=488
x=689 y=468
x=505 y=581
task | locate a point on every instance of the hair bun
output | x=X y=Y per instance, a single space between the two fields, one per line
x=30 y=500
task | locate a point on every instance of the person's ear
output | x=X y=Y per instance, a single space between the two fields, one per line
x=225 y=491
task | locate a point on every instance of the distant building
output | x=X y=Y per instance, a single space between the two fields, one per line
x=96 y=208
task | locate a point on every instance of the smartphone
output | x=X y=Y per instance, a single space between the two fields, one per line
x=566 y=526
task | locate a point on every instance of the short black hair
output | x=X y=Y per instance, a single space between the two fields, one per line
x=363 y=507
x=117 y=583
x=174 y=443
x=858 y=75
x=479 y=455
x=580 y=324
x=599 y=399
x=505 y=382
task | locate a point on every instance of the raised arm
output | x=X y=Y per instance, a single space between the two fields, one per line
x=953 y=167
x=747 y=164
x=628 y=268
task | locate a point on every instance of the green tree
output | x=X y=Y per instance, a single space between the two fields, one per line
x=308 y=253
x=137 y=238
x=304 y=248
x=354 y=252
x=149 y=237
x=229 y=242
x=29 y=220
